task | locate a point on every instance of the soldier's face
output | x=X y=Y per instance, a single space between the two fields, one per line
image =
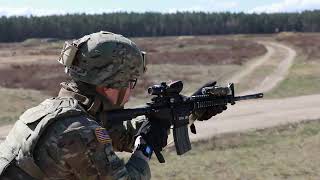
x=115 y=96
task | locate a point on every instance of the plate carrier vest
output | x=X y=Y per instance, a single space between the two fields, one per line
x=23 y=137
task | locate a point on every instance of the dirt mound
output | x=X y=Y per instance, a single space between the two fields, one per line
x=15 y=73
x=39 y=77
x=309 y=43
x=45 y=78
x=199 y=50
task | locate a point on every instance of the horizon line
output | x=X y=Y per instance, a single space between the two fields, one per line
x=2 y=14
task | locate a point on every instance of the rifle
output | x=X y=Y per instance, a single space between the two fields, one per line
x=174 y=109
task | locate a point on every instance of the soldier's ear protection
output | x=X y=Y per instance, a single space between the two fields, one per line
x=68 y=54
x=70 y=50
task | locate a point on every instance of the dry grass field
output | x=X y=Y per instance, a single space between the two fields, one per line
x=286 y=152
x=168 y=58
x=32 y=66
x=29 y=73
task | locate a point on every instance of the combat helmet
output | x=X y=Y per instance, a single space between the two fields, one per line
x=103 y=59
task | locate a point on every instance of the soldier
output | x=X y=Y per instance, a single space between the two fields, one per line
x=61 y=138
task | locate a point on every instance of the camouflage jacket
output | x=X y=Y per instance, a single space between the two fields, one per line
x=59 y=140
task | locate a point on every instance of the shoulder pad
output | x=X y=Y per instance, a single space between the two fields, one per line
x=46 y=107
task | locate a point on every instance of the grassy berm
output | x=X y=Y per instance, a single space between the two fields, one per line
x=287 y=152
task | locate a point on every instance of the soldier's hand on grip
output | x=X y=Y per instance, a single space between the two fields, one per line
x=155 y=135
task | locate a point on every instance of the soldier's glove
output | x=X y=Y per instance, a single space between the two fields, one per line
x=206 y=114
x=155 y=135
x=142 y=149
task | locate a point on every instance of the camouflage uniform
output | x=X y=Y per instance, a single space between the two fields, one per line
x=70 y=149
x=61 y=139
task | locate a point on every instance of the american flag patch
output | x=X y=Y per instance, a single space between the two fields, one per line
x=102 y=135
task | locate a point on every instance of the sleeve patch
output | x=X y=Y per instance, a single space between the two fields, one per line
x=102 y=136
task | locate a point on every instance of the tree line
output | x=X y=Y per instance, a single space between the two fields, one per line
x=132 y=24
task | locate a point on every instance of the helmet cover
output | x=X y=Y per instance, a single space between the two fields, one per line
x=106 y=59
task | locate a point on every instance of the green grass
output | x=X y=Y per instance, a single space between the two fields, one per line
x=287 y=152
x=303 y=79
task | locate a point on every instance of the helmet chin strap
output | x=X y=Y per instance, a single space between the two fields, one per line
x=92 y=104
x=121 y=97
x=95 y=106
x=105 y=103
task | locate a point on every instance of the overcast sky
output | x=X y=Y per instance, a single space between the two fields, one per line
x=46 y=7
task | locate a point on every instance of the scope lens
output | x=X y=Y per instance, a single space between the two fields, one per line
x=155 y=90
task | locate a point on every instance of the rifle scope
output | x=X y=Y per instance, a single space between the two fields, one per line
x=164 y=89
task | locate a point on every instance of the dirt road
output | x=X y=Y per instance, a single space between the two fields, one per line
x=279 y=74
x=280 y=54
x=271 y=50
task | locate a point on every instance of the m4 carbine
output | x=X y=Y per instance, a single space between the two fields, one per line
x=174 y=109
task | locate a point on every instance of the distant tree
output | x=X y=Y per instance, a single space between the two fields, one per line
x=155 y=24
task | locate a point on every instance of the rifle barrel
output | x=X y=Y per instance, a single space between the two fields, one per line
x=251 y=96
